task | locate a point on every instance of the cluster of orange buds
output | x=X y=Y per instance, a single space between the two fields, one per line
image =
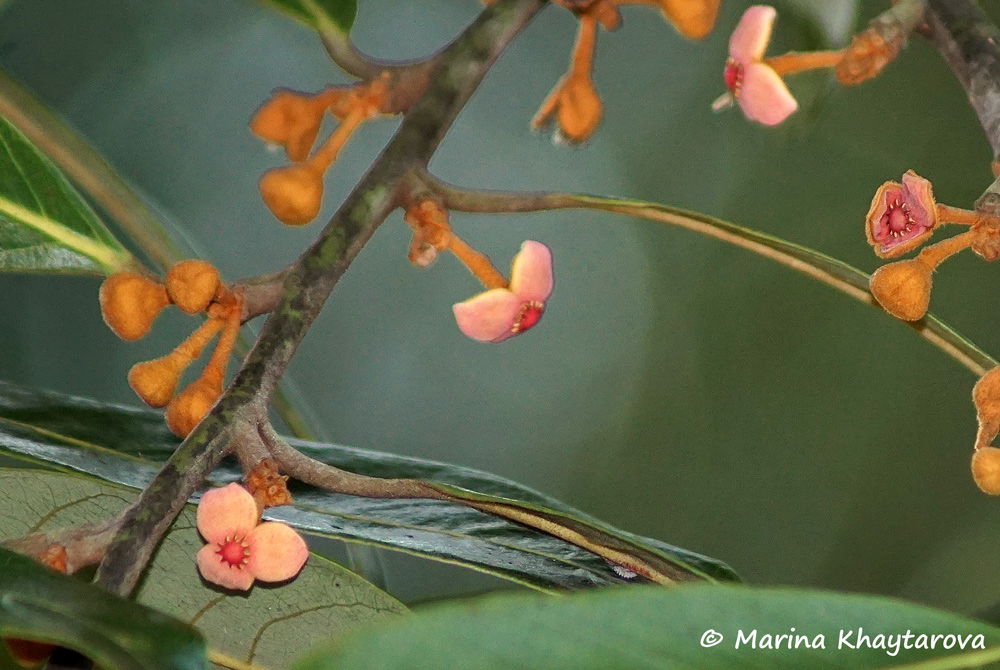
x=294 y=193
x=902 y=217
x=574 y=104
x=130 y=303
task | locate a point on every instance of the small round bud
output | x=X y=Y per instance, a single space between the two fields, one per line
x=192 y=285
x=155 y=382
x=903 y=288
x=191 y=405
x=291 y=120
x=986 y=470
x=294 y=194
x=130 y=304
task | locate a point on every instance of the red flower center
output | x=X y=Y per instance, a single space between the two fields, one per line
x=530 y=314
x=734 y=76
x=233 y=551
x=897 y=219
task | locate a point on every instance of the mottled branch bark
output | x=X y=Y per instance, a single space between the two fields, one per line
x=970 y=44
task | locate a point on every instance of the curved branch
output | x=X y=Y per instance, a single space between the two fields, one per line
x=832 y=272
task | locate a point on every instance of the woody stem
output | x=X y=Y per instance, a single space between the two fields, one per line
x=936 y=253
x=800 y=61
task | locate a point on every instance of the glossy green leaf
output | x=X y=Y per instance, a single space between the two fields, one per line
x=45 y=226
x=125 y=446
x=642 y=628
x=339 y=13
x=269 y=625
x=39 y=604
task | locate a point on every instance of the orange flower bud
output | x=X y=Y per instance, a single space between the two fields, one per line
x=191 y=405
x=292 y=120
x=903 y=288
x=192 y=285
x=575 y=104
x=694 y=19
x=294 y=194
x=986 y=398
x=986 y=470
x=155 y=382
x=130 y=304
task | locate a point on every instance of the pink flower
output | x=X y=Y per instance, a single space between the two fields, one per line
x=239 y=550
x=500 y=313
x=902 y=216
x=760 y=92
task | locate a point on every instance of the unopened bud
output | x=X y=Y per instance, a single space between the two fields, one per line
x=986 y=470
x=130 y=304
x=192 y=285
x=191 y=405
x=294 y=194
x=903 y=288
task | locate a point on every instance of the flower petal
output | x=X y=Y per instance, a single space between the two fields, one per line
x=214 y=569
x=920 y=198
x=531 y=272
x=489 y=316
x=749 y=41
x=764 y=96
x=226 y=511
x=277 y=552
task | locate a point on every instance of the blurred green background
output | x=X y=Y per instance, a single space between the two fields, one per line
x=677 y=388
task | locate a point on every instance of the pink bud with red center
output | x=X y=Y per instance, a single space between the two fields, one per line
x=902 y=216
x=756 y=87
x=240 y=550
x=501 y=313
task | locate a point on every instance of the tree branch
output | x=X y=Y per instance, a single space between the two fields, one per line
x=460 y=68
x=970 y=44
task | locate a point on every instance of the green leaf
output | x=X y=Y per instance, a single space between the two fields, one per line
x=45 y=226
x=269 y=626
x=125 y=446
x=338 y=13
x=642 y=628
x=39 y=604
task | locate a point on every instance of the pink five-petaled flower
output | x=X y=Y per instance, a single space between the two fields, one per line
x=902 y=216
x=500 y=313
x=239 y=550
x=760 y=92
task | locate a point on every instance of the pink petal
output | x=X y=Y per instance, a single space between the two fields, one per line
x=277 y=552
x=226 y=511
x=489 y=316
x=531 y=272
x=920 y=198
x=214 y=569
x=749 y=41
x=764 y=96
